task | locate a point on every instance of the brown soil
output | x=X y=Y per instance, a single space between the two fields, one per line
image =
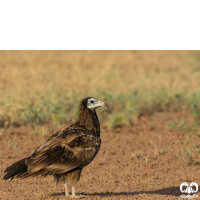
x=144 y=161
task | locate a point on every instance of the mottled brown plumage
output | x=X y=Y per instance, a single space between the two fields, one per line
x=65 y=153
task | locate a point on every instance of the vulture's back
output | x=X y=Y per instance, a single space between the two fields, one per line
x=68 y=150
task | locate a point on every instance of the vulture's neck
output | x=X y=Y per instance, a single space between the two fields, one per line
x=88 y=119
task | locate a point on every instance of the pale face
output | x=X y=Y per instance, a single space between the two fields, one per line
x=95 y=103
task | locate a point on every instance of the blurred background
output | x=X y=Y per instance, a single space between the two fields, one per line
x=150 y=135
x=38 y=87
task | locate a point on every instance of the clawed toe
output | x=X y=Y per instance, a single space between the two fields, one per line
x=77 y=196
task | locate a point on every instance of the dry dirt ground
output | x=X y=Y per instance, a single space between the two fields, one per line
x=143 y=161
x=148 y=160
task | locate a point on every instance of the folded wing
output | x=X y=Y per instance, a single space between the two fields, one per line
x=64 y=151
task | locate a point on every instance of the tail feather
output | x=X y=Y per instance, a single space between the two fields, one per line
x=17 y=169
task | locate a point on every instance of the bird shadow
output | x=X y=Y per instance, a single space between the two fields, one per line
x=173 y=191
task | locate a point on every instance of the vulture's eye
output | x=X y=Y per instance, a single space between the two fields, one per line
x=92 y=101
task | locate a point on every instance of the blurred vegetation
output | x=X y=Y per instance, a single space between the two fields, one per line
x=41 y=87
x=124 y=108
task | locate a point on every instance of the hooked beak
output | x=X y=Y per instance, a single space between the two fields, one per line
x=101 y=103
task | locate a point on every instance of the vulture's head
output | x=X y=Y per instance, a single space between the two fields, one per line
x=92 y=103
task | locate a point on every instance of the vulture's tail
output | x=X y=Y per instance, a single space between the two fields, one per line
x=16 y=171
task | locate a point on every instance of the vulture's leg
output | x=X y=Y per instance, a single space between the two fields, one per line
x=66 y=189
x=73 y=191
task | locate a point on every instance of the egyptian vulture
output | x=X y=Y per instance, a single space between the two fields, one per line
x=66 y=152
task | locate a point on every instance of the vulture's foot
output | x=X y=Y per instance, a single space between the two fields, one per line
x=74 y=194
x=77 y=196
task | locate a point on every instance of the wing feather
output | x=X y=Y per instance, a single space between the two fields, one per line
x=64 y=151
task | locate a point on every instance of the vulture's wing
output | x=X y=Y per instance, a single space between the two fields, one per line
x=63 y=151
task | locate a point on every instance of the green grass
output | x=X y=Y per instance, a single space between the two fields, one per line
x=58 y=109
x=45 y=87
x=187 y=153
x=181 y=125
x=139 y=154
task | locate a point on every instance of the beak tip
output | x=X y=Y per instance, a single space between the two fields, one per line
x=107 y=105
